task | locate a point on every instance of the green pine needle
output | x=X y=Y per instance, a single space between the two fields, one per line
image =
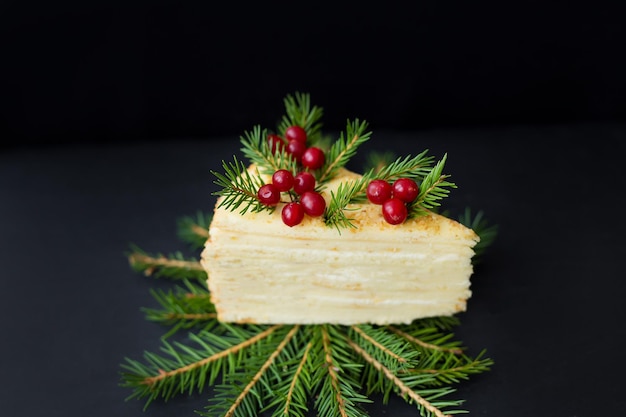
x=239 y=188
x=300 y=112
x=194 y=230
x=257 y=150
x=173 y=266
x=481 y=226
x=434 y=187
x=344 y=149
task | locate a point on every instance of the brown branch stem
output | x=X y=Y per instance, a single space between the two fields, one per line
x=163 y=261
x=456 y=351
x=332 y=165
x=378 y=345
x=404 y=390
x=332 y=372
x=292 y=386
x=200 y=231
x=216 y=356
x=259 y=374
x=191 y=316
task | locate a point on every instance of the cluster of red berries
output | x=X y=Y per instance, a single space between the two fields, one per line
x=393 y=198
x=308 y=201
x=295 y=144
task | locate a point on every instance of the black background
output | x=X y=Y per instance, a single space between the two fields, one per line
x=112 y=115
x=109 y=71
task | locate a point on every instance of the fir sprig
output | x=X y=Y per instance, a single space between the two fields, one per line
x=195 y=230
x=239 y=188
x=173 y=266
x=434 y=187
x=188 y=368
x=293 y=390
x=244 y=389
x=336 y=375
x=344 y=148
x=414 y=167
x=419 y=167
x=257 y=150
x=300 y=112
x=485 y=230
x=184 y=307
x=347 y=192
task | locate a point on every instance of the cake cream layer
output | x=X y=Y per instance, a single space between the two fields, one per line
x=262 y=271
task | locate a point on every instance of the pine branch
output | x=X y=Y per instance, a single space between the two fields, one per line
x=414 y=167
x=376 y=161
x=417 y=167
x=485 y=231
x=299 y=112
x=348 y=192
x=186 y=369
x=343 y=149
x=173 y=266
x=184 y=308
x=257 y=149
x=450 y=368
x=239 y=188
x=292 y=399
x=403 y=389
x=244 y=389
x=336 y=377
x=386 y=347
x=431 y=190
x=194 y=230
x=426 y=345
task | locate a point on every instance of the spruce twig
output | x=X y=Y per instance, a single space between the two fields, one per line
x=404 y=390
x=481 y=226
x=433 y=188
x=300 y=112
x=239 y=188
x=182 y=308
x=344 y=149
x=194 y=230
x=257 y=150
x=175 y=265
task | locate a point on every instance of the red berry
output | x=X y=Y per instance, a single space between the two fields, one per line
x=313 y=158
x=303 y=181
x=405 y=189
x=296 y=149
x=292 y=214
x=313 y=203
x=268 y=194
x=394 y=211
x=276 y=142
x=283 y=180
x=296 y=133
x=378 y=191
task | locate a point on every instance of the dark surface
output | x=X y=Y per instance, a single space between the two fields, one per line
x=548 y=300
x=103 y=71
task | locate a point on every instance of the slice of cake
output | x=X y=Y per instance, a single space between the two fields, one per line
x=261 y=271
x=339 y=254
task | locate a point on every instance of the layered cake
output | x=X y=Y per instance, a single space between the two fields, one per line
x=298 y=238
